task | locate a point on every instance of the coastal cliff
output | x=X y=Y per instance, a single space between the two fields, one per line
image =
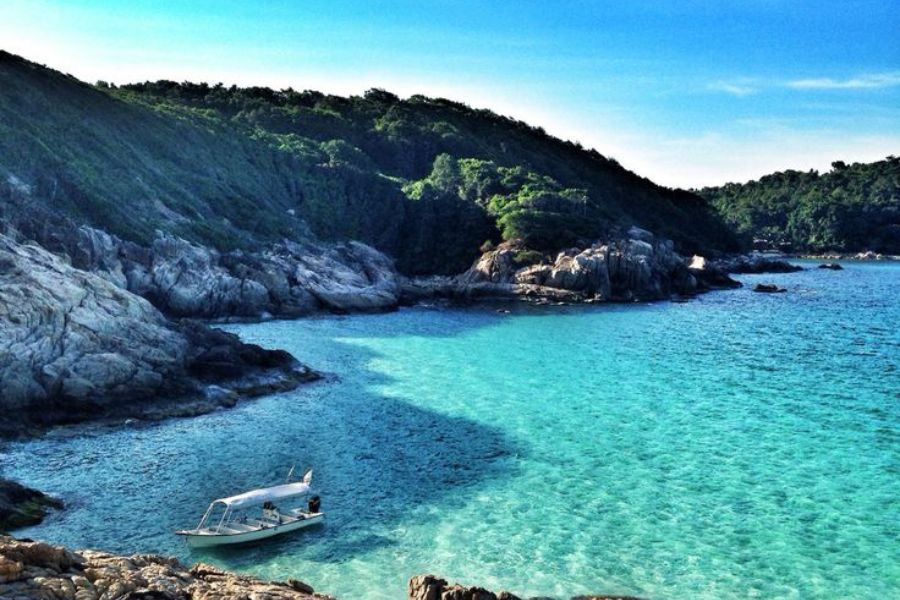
x=74 y=346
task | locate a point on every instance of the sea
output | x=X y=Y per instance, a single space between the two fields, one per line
x=739 y=445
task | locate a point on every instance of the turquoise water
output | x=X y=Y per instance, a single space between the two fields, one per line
x=740 y=445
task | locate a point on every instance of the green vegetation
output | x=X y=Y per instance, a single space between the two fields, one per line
x=851 y=208
x=427 y=180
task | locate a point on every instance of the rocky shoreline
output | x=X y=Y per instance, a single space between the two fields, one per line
x=868 y=255
x=95 y=328
x=92 y=326
x=30 y=570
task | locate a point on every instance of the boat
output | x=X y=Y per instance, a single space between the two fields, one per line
x=253 y=515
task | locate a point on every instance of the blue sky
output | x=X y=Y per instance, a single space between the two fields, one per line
x=688 y=93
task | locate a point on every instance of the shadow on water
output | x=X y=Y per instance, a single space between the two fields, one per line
x=377 y=459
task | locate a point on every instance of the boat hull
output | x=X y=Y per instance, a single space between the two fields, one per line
x=207 y=540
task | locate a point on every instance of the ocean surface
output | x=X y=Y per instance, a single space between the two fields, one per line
x=740 y=445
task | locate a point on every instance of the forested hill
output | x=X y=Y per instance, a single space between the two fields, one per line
x=425 y=180
x=851 y=208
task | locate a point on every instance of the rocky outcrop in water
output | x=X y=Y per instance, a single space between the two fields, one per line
x=21 y=506
x=74 y=345
x=637 y=267
x=768 y=288
x=756 y=263
x=34 y=570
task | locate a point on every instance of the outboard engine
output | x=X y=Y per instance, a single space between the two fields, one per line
x=314 y=504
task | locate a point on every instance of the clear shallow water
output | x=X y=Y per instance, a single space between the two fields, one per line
x=740 y=445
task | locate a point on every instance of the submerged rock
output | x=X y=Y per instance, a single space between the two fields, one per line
x=768 y=288
x=831 y=266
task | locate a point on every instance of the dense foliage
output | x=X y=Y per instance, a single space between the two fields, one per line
x=851 y=208
x=426 y=180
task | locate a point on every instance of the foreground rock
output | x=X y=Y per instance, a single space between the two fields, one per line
x=429 y=587
x=75 y=346
x=21 y=506
x=34 y=570
x=637 y=267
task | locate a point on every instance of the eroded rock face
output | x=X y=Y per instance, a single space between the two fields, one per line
x=30 y=570
x=74 y=345
x=68 y=334
x=188 y=280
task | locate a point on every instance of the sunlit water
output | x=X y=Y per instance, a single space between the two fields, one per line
x=740 y=445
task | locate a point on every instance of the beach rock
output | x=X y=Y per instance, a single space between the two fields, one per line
x=74 y=345
x=30 y=570
x=768 y=288
x=21 y=506
x=831 y=266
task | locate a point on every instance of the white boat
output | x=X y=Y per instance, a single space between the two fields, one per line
x=253 y=515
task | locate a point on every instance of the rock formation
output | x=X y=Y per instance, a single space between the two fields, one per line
x=755 y=263
x=74 y=345
x=768 y=288
x=21 y=506
x=37 y=571
x=637 y=267
x=183 y=279
x=429 y=587
x=32 y=570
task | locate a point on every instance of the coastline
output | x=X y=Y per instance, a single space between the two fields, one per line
x=226 y=370
x=218 y=369
x=30 y=569
x=352 y=328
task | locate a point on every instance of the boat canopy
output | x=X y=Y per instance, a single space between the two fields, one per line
x=268 y=494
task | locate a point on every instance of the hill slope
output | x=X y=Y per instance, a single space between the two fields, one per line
x=426 y=180
x=852 y=208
